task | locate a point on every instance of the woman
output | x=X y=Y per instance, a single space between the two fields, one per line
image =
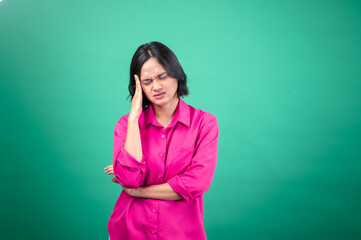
x=164 y=155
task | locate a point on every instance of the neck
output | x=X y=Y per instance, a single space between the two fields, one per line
x=166 y=111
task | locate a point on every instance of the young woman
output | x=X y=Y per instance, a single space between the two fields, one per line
x=164 y=156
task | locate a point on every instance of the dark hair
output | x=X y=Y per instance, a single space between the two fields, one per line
x=166 y=58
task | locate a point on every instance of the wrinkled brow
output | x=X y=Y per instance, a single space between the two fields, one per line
x=157 y=76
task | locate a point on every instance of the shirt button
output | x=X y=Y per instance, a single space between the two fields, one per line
x=153 y=210
x=162 y=136
x=161 y=155
x=153 y=231
x=159 y=175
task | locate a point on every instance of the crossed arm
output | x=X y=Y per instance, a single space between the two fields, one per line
x=158 y=191
x=130 y=171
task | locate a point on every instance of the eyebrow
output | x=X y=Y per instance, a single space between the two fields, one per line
x=157 y=76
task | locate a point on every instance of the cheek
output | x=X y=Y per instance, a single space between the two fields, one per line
x=173 y=85
x=146 y=91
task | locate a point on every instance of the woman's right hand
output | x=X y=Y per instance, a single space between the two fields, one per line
x=137 y=100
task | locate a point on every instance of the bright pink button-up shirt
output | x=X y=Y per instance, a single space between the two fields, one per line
x=184 y=155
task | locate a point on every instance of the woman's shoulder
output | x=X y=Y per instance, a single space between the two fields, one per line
x=123 y=118
x=202 y=116
x=123 y=121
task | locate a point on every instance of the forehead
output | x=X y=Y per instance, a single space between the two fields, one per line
x=151 y=68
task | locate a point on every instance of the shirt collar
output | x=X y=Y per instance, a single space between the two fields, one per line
x=181 y=115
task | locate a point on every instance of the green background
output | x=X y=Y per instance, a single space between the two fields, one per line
x=283 y=79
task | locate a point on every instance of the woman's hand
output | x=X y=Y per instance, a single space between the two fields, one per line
x=135 y=111
x=114 y=180
x=131 y=191
x=109 y=169
x=137 y=100
x=134 y=192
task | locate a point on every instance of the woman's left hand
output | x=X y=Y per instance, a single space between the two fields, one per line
x=114 y=180
x=131 y=191
x=134 y=192
x=109 y=169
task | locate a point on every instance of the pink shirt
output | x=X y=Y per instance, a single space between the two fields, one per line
x=184 y=155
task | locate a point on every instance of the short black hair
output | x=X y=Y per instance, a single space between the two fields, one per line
x=166 y=58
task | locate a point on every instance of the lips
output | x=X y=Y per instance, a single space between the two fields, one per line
x=159 y=94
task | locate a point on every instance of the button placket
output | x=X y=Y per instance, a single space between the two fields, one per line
x=153 y=230
x=163 y=145
x=159 y=175
x=162 y=136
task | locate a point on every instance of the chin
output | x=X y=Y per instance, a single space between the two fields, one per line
x=160 y=101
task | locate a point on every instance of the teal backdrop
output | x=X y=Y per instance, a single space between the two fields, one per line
x=283 y=79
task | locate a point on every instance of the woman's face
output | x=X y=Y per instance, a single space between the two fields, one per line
x=154 y=80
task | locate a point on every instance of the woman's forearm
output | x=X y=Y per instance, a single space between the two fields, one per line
x=133 y=142
x=134 y=146
x=159 y=191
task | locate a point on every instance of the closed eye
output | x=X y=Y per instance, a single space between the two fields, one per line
x=163 y=75
x=160 y=76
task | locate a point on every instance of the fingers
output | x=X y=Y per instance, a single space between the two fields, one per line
x=136 y=79
x=114 y=180
x=109 y=169
x=137 y=83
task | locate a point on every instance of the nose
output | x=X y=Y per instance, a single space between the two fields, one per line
x=156 y=84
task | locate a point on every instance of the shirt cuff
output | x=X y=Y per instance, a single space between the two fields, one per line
x=179 y=187
x=127 y=160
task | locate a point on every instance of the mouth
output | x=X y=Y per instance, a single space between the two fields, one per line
x=156 y=95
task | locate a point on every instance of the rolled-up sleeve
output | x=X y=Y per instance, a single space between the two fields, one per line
x=197 y=177
x=128 y=171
